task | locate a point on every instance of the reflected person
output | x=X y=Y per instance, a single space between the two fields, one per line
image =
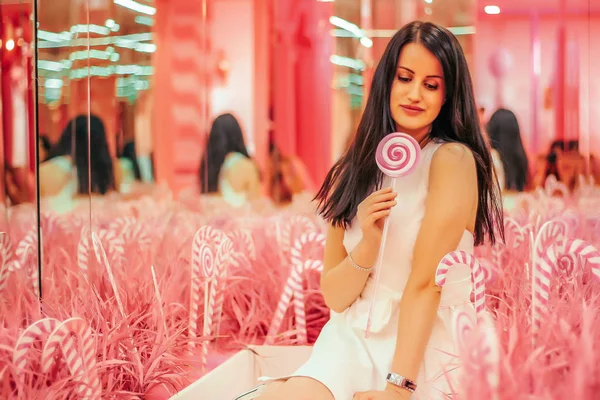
x=57 y=179
x=226 y=169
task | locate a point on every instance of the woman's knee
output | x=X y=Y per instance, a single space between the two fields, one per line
x=296 y=388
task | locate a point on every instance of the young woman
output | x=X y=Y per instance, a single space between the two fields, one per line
x=421 y=87
x=508 y=153
x=58 y=183
x=226 y=168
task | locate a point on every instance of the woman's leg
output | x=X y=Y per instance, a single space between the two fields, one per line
x=296 y=388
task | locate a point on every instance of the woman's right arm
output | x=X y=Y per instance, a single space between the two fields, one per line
x=341 y=282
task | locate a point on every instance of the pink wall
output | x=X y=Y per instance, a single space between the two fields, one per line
x=514 y=34
x=232 y=34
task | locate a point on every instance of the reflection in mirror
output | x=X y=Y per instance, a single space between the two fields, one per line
x=64 y=126
x=18 y=214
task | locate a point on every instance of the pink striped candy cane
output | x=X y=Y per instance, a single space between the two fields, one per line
x=6 y=248
x=80 y=359
x=224 y=257
x=243 y=243
x=5 y=271
x=515 y=233
x=588 y=252
x=294 y=288
x=202 y=266
x=206 y=243
x=553 y=231
x=27 y=254
x=36 y=331
x=213 y=308
x=543 y=266
x=293 y=228
x=115 y=247
x=477 y=275
x=130 y=231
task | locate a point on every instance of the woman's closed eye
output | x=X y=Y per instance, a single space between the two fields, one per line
x=406 y=79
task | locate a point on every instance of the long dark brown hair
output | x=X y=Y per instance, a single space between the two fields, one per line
x=356 y=174
x=505 y=137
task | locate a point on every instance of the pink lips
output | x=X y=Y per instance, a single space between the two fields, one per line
x=412 y=109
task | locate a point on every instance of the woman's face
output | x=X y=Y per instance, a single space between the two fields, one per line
x=418 y=91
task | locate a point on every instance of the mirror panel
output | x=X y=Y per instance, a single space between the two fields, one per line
x=18 y=211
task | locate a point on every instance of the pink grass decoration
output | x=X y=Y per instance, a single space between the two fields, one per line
x=142 y=347
x=294 y=288
x=478 y=343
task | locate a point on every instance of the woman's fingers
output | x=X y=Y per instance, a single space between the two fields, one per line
x=378 y=215
x=385 y=205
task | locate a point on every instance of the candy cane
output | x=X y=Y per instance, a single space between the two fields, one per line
x=27 y=254
x=586 y=251
x=215 y=271
x=224 y=258
x=6 y=247
x=115 y=248
x=477 y=275
x=242 y=241
x=543 y=266
x=130 y=231
x=202 y=264
x=553 y=231
x=82 y=366
x=36 y=331
x=294 y=289
x=296 y=222
x=517 y=234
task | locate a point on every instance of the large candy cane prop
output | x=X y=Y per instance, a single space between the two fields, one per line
x=82 y=365
x=397 y=155
x=116 y=249
x=589 y=253
x=243 y=243
x=550 y=232
x=27 y=255
x=294 y=288
x=543 y=266
x=517 y=234
x=130 y=231
x=294 y=227
x=36 y=331
x=477 y=276
x=213 y=268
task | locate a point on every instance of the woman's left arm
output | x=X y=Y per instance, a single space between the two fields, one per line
x=451 y=207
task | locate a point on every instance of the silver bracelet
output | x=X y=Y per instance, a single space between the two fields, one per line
x=401 y=382
x=355 y=265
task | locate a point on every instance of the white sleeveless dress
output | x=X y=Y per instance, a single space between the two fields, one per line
x=342 y=359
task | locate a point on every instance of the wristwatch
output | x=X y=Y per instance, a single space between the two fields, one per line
x=401 y=382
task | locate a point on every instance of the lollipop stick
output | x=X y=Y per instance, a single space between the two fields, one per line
x=378 y=268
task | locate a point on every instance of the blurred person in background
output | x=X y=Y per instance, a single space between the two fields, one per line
x=59 y=184
x=226 y=169
x=508 y=153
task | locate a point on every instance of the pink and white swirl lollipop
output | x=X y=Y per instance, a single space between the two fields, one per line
x=397 y=155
